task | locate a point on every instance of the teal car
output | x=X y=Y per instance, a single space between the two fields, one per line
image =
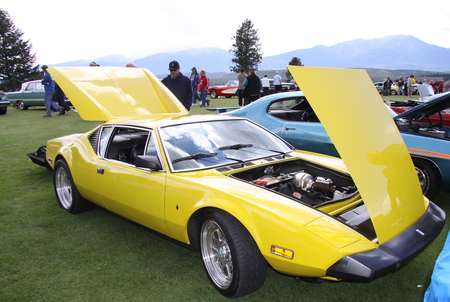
x=30 y=94
x=290 y=116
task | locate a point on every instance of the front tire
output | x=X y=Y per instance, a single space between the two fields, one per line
x=213 y=94
x=231 y=258
x=429 y=178
x=67 y=194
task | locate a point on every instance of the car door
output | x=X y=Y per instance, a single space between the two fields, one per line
x=134 y=193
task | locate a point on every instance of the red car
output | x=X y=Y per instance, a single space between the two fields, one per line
x=400 y=107
x=227 y=90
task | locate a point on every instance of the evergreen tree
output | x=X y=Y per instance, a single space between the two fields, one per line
x=295 y=62
x=246 y=48
x=16 y=59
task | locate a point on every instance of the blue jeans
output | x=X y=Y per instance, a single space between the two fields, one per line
x=49 y=104
x=203 y=94
x=196 y=97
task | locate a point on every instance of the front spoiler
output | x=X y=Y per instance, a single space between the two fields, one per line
x=393 y=254
x=38 y=157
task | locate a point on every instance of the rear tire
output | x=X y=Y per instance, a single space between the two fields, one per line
x=429 y=178
x=69 y=199
x=21 y=106
x=231 y=258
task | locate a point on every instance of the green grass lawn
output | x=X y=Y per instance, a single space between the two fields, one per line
x=47 y=254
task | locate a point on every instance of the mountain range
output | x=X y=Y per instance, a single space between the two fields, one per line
x=391 y=52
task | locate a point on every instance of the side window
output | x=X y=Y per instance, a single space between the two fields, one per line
x=126 y=143
x=151 y=147
x=104 y=136
x=30 y=87
x=39 y=87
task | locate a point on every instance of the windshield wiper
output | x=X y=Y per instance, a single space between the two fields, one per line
x=236 y=147
x=194 y=156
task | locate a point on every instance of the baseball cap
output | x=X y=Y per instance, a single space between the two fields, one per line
x=44 y=67
x=174 y=65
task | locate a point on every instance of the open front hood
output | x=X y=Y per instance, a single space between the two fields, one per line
x=370 y=145
x=431 y=105
x=107 y=93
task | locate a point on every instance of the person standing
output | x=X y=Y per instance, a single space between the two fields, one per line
x=441 y=86
x=194 y=81
x=266 y=84
x=58 y=97
x=179 y=84
x=410 y=83
x=277 y=81
x=203 y=85
x=400 y=84
x=49 y=87
x=241 y=78
x=253 y=87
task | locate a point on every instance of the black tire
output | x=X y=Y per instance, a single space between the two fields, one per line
x=393 y=92
x=230 y=256
x=228 y=96
x=213 y=94
x=21 y=106
x=3 y=110
x=69 y=199
x=429 y=178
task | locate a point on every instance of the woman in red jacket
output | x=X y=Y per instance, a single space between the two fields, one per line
x=203 y=85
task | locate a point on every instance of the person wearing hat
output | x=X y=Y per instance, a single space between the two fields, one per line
x=179 y=84
x=194 y=81
x=49 y=87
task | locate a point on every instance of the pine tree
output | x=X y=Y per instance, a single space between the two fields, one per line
x=295 y=62
x=246 y=48
x=16 y=59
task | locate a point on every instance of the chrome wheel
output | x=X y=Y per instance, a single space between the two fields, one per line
x=68 y=197
x=213 y=94
x=63 y=188
x=216 y=254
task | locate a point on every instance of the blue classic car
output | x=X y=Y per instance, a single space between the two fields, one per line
x=4 y=103
x=291 y=116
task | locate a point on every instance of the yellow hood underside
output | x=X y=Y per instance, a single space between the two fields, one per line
x=366 y=137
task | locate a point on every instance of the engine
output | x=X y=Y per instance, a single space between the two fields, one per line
x=303 y=181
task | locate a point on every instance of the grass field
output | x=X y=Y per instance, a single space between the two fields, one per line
x=49 y=255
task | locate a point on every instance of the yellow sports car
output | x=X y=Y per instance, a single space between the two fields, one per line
x=236 y=192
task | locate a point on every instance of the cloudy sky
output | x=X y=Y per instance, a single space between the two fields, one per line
x=62 y=31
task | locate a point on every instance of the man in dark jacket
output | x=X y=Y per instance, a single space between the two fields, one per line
x=179 y=84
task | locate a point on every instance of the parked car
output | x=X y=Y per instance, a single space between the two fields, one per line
x=227 y=90
x=290 y=116
x=31 y=94
x=285 y=86
x=420 y=105
x=380 y=88
x=4 y=103
x=233 y=190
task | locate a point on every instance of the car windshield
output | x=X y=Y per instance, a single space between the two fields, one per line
x=209 y=144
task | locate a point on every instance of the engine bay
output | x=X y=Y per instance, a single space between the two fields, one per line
x=302 y=181
x=315 y=186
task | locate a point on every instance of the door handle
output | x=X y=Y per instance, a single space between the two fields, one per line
x=100 y=171
x=289 y=128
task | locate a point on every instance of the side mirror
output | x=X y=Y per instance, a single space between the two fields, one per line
x=146 y=161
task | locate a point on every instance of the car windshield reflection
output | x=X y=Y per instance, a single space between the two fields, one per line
x=204 y=145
